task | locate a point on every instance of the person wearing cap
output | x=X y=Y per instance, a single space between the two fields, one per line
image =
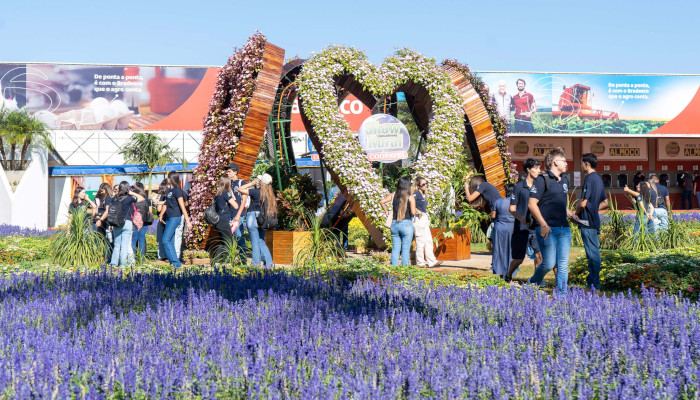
x=238 y=215
x=262 y=199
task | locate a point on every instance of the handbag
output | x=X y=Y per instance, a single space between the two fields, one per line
x=211 y=216
x=137 y=219
x=389 y=220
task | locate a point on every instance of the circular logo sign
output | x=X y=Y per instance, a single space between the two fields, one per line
x=598 y=148
x=673 y=149
x=384 y=138
x=521 y=148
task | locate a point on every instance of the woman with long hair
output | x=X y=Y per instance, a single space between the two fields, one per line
x=81 y=201
x=403 y=207
x=225 y=205
x=175 y=211
x=481 y=195
x=103 y=199
x=644 y=199
x=421 y=226
x=145 y=208
x=174 y=179
x=160 y=208
x=262 y=199
x=504 y=222
x=123 y=253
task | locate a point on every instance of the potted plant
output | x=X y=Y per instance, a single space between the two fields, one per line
x=450 y=231
x=294 y=204
x=196 y=257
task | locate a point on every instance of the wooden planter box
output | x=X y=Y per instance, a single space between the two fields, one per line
x=198 y=261
x=452 y=249
x=285 y=246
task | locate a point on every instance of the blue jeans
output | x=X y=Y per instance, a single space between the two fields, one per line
x=401 y=238
x=257 y=240
x=523 y=126
x=178 y=236
x=687 y=195
x=661 y=217
x=645 y=221
x=139 y=237
x=591 y=243
x=242 y=246
x=159 y=239
x=555 y=251
x=171 y=225
x=123 y=253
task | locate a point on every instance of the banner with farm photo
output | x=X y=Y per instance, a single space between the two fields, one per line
x=580 y=104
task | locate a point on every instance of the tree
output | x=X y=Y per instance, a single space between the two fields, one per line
x=19 y=128
x=150 y=149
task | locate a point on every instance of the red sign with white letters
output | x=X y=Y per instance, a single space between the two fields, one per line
x=351 y=109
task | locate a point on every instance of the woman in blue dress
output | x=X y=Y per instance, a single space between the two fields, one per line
x=502 y=232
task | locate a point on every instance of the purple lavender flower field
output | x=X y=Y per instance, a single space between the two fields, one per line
x=273 y=335
x=14 y=230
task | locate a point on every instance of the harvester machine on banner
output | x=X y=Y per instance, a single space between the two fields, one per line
x=576 y=101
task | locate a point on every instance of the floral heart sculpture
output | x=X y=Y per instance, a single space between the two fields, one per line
x=343 y=154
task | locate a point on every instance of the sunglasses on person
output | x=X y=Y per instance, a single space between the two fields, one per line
x=423 y=184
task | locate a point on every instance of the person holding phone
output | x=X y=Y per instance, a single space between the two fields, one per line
x=172 y=215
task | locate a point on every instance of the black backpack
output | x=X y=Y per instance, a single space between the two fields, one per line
x=267 y=222
x=211 y=216
x=529 y=218
x=115 y=216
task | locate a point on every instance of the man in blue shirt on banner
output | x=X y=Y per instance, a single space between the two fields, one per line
x=593 y=198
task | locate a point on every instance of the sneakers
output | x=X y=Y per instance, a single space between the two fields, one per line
x=437 y=264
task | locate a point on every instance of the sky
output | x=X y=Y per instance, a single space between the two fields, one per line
x=619 y=36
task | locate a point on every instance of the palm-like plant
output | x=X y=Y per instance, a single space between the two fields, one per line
x=79 y=245
x=19 y=128
x=150 y=149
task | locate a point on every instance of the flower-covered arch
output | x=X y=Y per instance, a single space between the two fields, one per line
x=235 y=124
x=406 y=71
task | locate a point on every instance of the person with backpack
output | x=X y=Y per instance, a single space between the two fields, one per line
x=160 y=208
x=263 y=204
x=523 y=235
x=593 y=199
x=548 y=206
x=238 y=214
x=403 y=208
x=123 y=211
x=224 y=203
x=172 y=215
x=145 y=208
x=103 y=199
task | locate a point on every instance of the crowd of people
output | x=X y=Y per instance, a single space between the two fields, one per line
x=124 y=229
x=534 y=218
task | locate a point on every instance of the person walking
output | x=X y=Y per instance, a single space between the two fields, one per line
x=403 y=208
x=123 y=252
x=174 y=212
x=224 y=203
x=238 y=213
x=262 y=200
x=522 y=235
x=145 y=208
x=103 y=199
x=160 y=208
x=663 y=203
x=421 y=227
x=502 y=234
x=547 y=203
x=593 y=199
x=688 y=186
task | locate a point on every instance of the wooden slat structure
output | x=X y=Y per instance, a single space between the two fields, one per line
x=478 y=117
x=259 y=111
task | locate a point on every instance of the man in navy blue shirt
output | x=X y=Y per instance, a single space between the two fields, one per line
x=593 y=198
x=232 y=172
x=548 y=207
x=518 y=208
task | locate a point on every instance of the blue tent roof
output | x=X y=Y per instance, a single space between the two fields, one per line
x=115 y=169
x=307 y=162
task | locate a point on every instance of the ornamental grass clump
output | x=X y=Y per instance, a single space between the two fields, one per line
x=79 y=245
x=270 y=334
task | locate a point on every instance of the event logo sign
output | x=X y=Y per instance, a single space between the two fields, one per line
x=580 y=104
x=384 y=138
x=98 y=97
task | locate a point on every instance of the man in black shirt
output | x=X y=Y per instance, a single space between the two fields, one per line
x=593 y=198
x=663 y=203
x=518 y=208
x=238 y=215
x=548 y=206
